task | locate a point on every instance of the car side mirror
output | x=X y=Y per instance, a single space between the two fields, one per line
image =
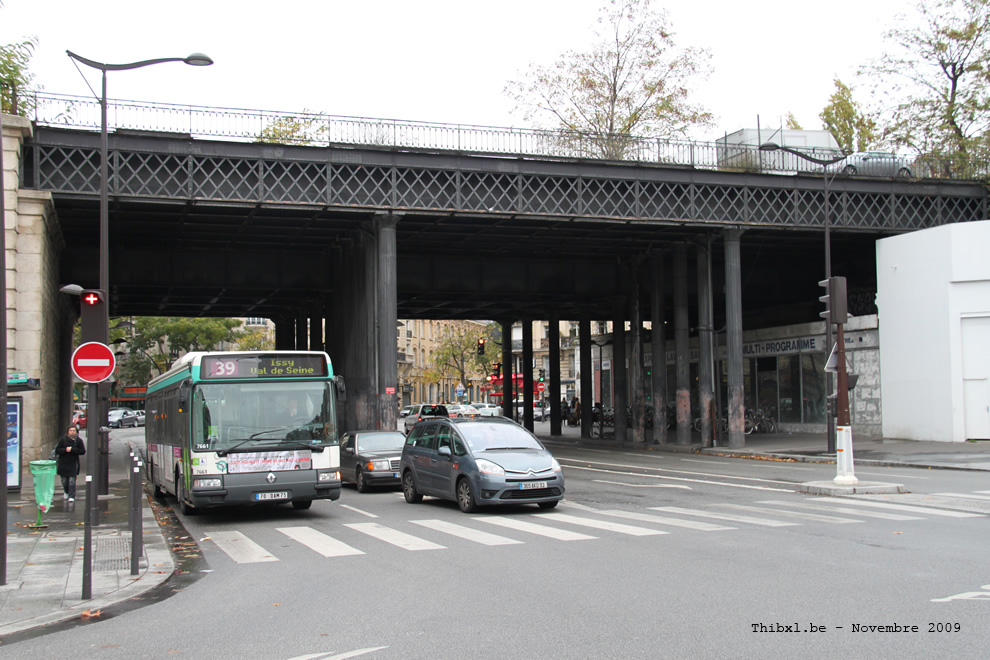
x=348 y=450
x=444 y=451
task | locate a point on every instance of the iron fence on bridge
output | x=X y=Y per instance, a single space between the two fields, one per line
x=320 y=129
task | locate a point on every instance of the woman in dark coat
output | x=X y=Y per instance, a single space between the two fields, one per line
x=67 y=452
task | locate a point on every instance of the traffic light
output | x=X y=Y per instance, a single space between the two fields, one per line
x=497 y=368
x=93 y=314
x=481 y=346
x=836 y=308
x=543 y=375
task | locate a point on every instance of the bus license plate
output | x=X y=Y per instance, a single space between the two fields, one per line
x=279 y=495
x=532 y=485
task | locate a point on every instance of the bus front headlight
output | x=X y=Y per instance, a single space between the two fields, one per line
x=208 y=483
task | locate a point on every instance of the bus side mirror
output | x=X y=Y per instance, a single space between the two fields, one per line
x=338 y=382
x=183 y=395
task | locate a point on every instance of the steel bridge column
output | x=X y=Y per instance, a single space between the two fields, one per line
x=637 y=396
x=620 y=377
x=682 y=355
x=386 y=316
x=316 y=333
x=301 y=335
x=658 y=341
x=284 y=333
x=554 y=373
x=507 y=369
x=584 y=368
x=705 y=365
x=734 y=338
x=527 y=372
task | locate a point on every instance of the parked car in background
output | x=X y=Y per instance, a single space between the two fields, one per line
x=420 y=411
x=873 y=163
x=479 y=462
x=121 y=417
x=488 y=409
x=79 y=419
x=371 y=458
x=460 y=410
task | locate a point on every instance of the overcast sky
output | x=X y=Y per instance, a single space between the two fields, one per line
x=435 y=60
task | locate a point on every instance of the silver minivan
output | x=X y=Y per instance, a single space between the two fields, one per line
x=479 y=462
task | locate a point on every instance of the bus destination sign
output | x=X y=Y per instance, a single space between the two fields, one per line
x=274 y=365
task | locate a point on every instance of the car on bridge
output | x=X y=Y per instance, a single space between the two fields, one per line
x=874 y=163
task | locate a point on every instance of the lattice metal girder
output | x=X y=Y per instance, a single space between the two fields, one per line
x=372 y=178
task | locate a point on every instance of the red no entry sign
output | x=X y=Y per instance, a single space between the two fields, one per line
x=540 y=387
x=93 y=362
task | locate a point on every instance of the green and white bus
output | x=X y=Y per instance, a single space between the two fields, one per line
x=244 y=428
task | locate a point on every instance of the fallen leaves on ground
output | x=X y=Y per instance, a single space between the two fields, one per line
x=89 y=614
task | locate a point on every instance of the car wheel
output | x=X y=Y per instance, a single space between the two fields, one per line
x=849 y=169
x=465 y=496
x=302 y=504
x=360 y=482
x=548 y=505
x=156 y=490
x=412 y=495
x=904 y=173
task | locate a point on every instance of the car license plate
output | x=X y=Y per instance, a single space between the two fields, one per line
x=278 y=495
x=532 y=485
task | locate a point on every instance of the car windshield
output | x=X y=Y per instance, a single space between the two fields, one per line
x=494 y=436
x=252 y=416
x=381 y=441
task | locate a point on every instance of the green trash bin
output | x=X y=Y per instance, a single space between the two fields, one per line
x=44 y=486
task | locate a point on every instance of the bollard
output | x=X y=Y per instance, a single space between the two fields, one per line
x=844 y=470
x=135 y=517
x=87 y=579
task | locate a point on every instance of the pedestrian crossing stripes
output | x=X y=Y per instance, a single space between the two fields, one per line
x=364 y=537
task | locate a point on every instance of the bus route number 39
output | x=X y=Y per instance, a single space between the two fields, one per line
x=224 y=368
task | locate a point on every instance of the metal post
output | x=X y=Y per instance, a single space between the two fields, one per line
x=87 y=578
x=3 y=361
x=705 y=395
x=829 y=383
x=681 y=348
x=844 y=447
x=92 y=449
x=135 y=515
x=736 y=408
x=659 y=349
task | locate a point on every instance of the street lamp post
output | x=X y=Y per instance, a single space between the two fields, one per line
x=98 y=462
x=827 y=177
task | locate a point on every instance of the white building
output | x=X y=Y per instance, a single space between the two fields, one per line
x=933 y=301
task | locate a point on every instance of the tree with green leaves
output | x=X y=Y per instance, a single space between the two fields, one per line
x=157 y=341
x=845 y=119
x=933 y=81
x=456 y=356
x=15 y=77
x=634 y=81
x=307 y=128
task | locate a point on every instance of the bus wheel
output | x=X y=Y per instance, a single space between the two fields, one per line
x=180 y=495
x=302 y=504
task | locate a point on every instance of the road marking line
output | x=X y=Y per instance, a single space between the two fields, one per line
x=725 y=516
x=907 y=507
x=790 y=514
x=357 y=510
x=663 y=520
x=888 y=475
x=753 y=462
x=970 y=497
x=240 y=548
x=986 y=492
x=319 y=542
x=533 y=528
x=696 y=481
x=697 y=474
x=395 y=537
x=622 y=483
x=632 y=530
x=842 y=509
x=465 y=532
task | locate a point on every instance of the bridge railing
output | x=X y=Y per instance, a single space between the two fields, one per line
x=320 y=129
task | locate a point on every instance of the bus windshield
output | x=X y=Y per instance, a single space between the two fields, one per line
x=248 y=416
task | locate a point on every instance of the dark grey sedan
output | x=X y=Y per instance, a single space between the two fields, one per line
x=371 y=458
x=479 y=462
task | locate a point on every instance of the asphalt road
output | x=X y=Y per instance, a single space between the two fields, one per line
x=650 y=555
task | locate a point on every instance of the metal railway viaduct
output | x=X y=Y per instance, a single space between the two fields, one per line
x=361 y=235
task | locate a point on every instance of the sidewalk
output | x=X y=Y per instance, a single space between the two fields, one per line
x=803 y=447
x=45 y=566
